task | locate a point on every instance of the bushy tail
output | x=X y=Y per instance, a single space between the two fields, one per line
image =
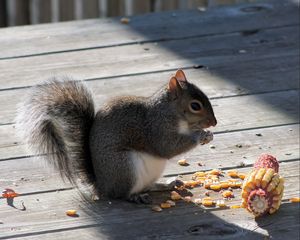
x=55 y=119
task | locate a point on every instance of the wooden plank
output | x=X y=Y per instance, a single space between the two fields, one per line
x=151 y=27
x=266 y=110
x=47 y=218
x=165 y=56
x=282 y=142
x=260 y=115
x=268 y=74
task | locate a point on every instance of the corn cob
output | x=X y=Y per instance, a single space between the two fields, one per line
x=263 y=187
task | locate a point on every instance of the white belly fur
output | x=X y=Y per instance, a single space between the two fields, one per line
x=148 y=169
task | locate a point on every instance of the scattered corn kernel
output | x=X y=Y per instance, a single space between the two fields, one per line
x=182 y=162
x=295 y=199
x=175 y=195
x=207 y=202
x=224 y=184
x=165 y=205
x=242 y=175
x=235 y=206
x=200 y=174
x=227 y=194
x=72 y=213
x=156 y=208
x=215 y=187
x=215 y=172
x=233 y=173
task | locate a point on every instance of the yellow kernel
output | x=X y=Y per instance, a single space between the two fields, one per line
x=227 y=194
x=165 y=205
x=224 y=184
x=175 y=195
x=215 y=187
x=200 y=174
x=215 y=172
x=295 y=199
x=182 y=162
x=72 y=213
x=235 y=206
x=242 y=176
x=190 y=184
x=232 y=173
x=207 y=202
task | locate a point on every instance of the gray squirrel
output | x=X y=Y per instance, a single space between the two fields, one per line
x=123 y=148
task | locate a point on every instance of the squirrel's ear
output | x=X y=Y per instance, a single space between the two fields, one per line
x=180 y=76
x=174 y=87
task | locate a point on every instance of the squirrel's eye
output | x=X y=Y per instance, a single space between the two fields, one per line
x=195 y=106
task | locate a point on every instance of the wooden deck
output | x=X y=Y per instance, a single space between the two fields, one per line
x=245 y=57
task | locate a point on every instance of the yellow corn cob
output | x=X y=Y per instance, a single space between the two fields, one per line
x=262 y=189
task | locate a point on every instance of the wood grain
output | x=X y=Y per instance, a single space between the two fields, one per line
x=101 y=219
x=49 y=38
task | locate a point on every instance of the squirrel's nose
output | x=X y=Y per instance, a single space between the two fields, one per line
x=212 y=121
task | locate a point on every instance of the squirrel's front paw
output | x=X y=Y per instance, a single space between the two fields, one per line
x=207 y=138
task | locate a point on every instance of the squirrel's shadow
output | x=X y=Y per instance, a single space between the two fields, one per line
x=118 y=219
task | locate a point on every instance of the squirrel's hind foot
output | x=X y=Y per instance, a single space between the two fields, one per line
x=140 y=198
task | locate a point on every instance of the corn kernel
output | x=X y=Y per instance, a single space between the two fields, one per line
x=182 y=162
x=200 y=174
x=227 y=194
x=295 y=199
x=215 y=172
x=215 y=187
x=207 y=202
x=235 y=206
x=232 y=173
x=242 y=175
x=72 y=213
x=224 y=184
x=175 y=195
x=165 y=205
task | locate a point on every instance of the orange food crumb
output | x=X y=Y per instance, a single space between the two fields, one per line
x=175 y=195
x=232 y=173
x=295 y=199
x=165 y=205
x=72 y=213
x=227 y=194
x=235 y=206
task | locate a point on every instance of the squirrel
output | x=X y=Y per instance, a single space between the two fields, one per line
x=123 y=148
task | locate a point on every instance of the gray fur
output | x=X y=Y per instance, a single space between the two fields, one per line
x=59 y=120
x=55 y=119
